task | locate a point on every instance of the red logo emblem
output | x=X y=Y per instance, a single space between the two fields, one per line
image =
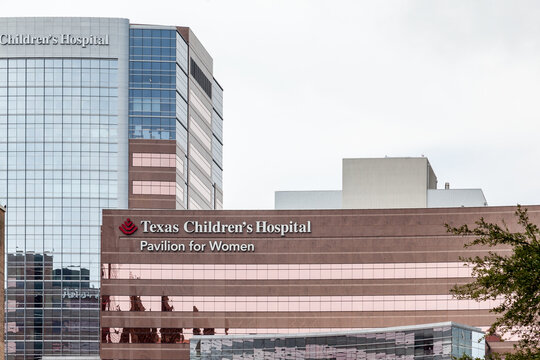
x=128 y=227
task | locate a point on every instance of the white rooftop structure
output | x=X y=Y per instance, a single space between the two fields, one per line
x=383 y=183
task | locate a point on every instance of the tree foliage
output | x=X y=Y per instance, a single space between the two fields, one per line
x=513 y=277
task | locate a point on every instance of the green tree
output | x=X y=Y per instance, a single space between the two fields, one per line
x=513 y=277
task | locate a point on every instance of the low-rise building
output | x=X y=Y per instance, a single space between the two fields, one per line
x=442 y=341
x=383 y=183
x=168 y=276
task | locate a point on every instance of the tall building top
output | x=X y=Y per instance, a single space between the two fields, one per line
x=95 y=113
x=380 y=183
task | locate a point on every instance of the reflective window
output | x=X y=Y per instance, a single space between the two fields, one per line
x=201 y=78
x=154 y=187
x=404 y=343
x=58 y=169
x=152 y=84
x=217 y=97
x=296 y=303
x=182 y=53
x=154 y=160
x=442 y=270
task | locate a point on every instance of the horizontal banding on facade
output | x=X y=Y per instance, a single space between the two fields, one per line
x=354 y=269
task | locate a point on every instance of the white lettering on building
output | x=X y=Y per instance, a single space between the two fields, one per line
x=63 y=39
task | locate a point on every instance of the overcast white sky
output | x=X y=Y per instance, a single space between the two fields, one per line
x=308 y=83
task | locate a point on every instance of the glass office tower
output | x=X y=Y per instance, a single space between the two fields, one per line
x=175 y=116
x=94 y=113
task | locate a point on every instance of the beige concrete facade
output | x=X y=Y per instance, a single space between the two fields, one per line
x=385 y=183
x=382 y=183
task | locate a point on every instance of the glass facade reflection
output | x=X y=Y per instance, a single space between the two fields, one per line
x=433 y=270
x=58 y=169
x=427 y=342
x=87 y=127
x=152 y=87
x=296 y=303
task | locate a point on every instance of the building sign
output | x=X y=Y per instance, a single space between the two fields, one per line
x=62 y=39
x=217 y=227
x=128 y=227
x=69 y=293
x=213 y=246
x=191 y=227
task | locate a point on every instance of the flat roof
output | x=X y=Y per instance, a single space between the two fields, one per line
x=337 y=333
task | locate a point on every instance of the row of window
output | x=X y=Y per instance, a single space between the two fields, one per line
x=286 y=271
x=154 y=160
x=154 y=187
x=53 y=189
x=50 y=304
x=59 y=77
x=189 y=332
x=424 y=351
x=151 y=80
x=58 y=91
x=152 y=128
x=153 y=107
x=71 y=179
x=64 y=120
x=152 y=53
x=59 y=63
x=292 y=303
x=48 y=279
x=68 y=106
x=152 y=33
x=201 y=78
x=38 y=134
x=35 y=349
x=152 y=123
x=143 y=335
x=155 y=42
x=149 y=93
x=44 y=331
x=52 y=93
